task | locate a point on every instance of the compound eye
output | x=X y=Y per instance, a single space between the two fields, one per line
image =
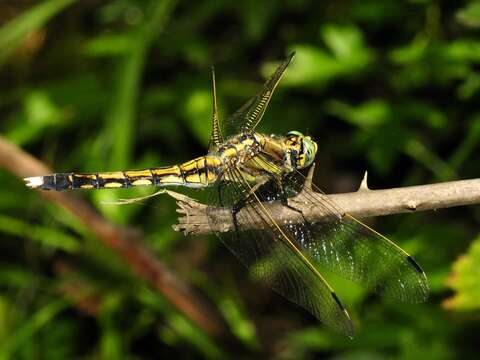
x=294 y=133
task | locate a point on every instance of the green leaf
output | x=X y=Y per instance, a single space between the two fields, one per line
x=17 y=277
x=469 y=87
x=366 y=115
x=424 y=155
x=463 y=50
x=470 y=15
x=45 y=235
x=314 y=66
x=468 y=144
x=109 y=45
x=410 y=53
x=120 y=119
x=112 y=344
x=198 y=110
x=348 y=48
x=345 y=42
x=24 y=333
x=38 y=114
x=465 y=280
x=311 y=66
x=178 y=325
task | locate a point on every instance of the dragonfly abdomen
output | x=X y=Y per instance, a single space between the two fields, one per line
x=199 y=172
x=103 y=180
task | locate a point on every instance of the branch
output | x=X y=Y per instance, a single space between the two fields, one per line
x=126 y=242
x=362 y=203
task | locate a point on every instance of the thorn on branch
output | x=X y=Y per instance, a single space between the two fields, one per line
x=364 y=185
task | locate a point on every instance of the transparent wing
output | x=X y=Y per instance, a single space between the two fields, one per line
x=344 y=245
x=271 y=253
x=355 y=251
x=250 y=114
x=216 y=137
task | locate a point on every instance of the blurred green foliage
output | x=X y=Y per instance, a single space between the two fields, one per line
x=385 y=86
x=464 y=280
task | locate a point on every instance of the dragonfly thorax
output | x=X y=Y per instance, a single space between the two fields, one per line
x=238 y=149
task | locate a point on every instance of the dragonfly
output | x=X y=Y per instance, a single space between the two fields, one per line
x=245 y=171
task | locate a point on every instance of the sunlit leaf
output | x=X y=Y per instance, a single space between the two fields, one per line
x=198 y=110
x=313 y=66
x=111 y=45
x=465 y=281
x=38 y=114
x=470 y=14
x=411 y=52
x=463 y=50
x=366 y=115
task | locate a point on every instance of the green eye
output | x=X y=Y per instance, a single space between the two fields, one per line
x=310 y=150
x=295 y=133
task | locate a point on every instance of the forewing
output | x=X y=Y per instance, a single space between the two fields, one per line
x=216 y=137
x=250 y=114
x=270 y=254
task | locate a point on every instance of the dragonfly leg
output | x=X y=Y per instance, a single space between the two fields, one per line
x=245 y=200
x=284 y=200
x=235 y=209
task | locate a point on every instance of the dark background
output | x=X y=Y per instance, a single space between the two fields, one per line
x=382 y=85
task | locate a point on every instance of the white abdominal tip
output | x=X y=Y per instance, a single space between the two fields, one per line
x=33 y=182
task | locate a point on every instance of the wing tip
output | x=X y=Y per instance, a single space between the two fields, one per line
x=422 y=282
x=348 y=329
x=415 y=264
x=290 y=56
x=337 y=300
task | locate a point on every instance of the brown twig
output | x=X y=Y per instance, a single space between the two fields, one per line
x=362 y=203
x=126 y=242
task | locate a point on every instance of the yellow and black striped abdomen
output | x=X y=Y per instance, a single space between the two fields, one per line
x=200 y=172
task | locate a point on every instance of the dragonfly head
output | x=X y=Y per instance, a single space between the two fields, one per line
x=301 y=149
